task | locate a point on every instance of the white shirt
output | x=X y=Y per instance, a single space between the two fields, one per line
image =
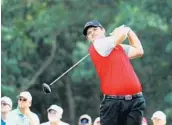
x=60 y=123
x=104 y=46
x=15 y=117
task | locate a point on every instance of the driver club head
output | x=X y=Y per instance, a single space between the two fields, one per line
x=46 y=88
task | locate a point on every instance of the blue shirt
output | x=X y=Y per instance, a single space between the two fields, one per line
x=2 y=122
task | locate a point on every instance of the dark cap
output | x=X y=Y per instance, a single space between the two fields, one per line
x=92 y=23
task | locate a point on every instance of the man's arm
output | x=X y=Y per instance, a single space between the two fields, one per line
x=34 y=120
x=120 y=34
x=104 y=46
x=135 y=48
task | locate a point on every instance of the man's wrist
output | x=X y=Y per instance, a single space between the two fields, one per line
x=129 y=30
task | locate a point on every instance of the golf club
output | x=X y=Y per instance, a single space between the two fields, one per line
x=46 y=88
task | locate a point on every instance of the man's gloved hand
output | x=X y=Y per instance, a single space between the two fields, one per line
x=121 y=30
x=120 y=33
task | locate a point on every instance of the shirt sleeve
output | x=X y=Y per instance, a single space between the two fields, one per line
x=104 y=46
x=126 y=48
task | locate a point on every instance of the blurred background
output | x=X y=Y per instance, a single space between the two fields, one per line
x=43 y=38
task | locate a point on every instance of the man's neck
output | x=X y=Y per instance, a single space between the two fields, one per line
x=23 y=110
x=4 y=116
x=54 y=123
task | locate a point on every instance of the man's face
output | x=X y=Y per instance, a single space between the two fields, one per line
x=5 y=107
x=157 y=121
x=84 y=121
x=94 y=33
x=23 y=102
x=53 y=115
x=97 y=123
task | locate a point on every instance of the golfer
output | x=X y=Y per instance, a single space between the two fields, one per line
x=123 y=102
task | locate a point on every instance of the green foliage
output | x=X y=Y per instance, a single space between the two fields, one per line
x=168 y=98
x=169 y=47
x=85 y=70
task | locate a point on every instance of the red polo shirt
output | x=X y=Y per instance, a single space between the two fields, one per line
x=117 y=76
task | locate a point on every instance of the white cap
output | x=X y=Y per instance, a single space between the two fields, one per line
x=87 y=117
x=7 y=100
x=96 y=120
x=56 y=108
x=26 y=95
x=159 y=115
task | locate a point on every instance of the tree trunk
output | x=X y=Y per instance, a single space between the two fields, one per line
x=96 y=97
x=71 y=101
x=42 y=68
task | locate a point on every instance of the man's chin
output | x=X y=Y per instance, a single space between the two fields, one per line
x=96 y=39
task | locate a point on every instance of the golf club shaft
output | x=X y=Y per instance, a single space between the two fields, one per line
x=70 y=69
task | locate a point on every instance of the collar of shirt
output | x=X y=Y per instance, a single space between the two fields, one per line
x=2 y=122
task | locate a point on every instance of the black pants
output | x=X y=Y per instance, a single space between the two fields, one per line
x=121 y=111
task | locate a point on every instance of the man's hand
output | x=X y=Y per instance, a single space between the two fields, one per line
x=28 y=113
x=120 y=33
x=120 y=30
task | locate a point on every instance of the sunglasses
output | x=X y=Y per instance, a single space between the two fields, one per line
x=23 y=100
x=4 y=104
x=53 y=112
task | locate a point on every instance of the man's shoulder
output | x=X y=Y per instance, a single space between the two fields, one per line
x=13 y=112
x=35 y=117
x=34 y=114
x=63 y=123
x=12 y=116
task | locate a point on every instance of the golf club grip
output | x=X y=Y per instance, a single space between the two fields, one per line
x=70 y=68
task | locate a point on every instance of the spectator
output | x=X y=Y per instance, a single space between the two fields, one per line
x=54 y=116
x=6 y=107
x=22 y=115
x=97 y=121
x=159 y=118
x=85 y=120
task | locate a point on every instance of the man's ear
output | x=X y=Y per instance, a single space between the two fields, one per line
x=103 y=30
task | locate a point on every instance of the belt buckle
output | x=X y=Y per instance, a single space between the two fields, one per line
x=128 y=97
